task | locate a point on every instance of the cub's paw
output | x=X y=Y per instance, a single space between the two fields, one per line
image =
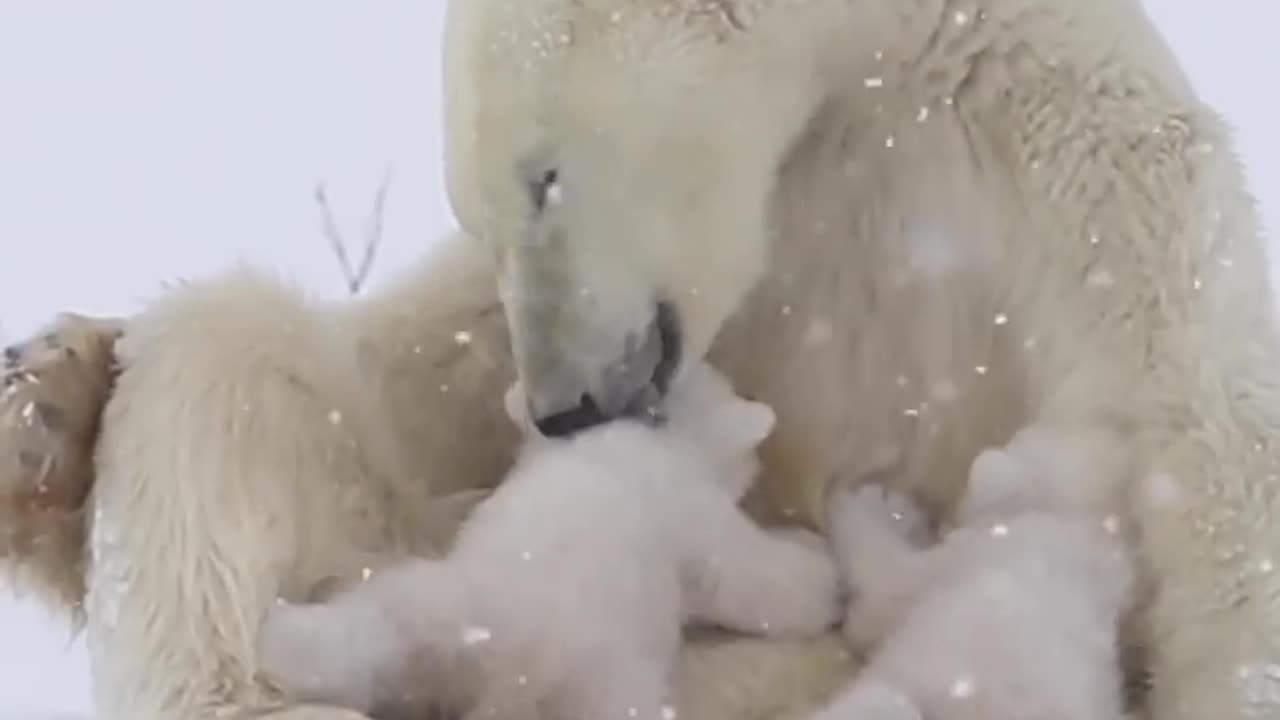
x=879 y=509
x=807 y=595
x=53 y=387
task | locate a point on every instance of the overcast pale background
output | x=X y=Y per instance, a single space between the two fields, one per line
x=145 y=141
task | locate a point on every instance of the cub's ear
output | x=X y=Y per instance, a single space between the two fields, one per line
x=745 y=423
x=996 y=475
x=518 y=409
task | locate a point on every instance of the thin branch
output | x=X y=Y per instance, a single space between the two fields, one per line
x=355 y=277
x=373 y=227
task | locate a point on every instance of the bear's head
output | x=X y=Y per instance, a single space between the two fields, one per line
x=620 y=160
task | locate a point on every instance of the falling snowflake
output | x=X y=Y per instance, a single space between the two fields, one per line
x=475 y=635
x=554 y=194
x=962 y=687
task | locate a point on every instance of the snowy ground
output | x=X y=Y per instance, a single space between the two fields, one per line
x=143 y=141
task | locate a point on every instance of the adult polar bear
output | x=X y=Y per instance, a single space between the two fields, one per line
x=912 y=227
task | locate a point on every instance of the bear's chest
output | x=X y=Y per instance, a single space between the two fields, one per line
x=911 y=362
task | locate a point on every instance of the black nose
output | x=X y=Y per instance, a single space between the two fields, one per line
x=572 y=421
x=667 y=324
x=642 y=400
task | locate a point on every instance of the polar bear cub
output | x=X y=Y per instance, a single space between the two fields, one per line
x=565 y=593
x=1014 y=614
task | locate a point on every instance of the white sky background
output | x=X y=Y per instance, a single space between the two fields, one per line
x=143 y=141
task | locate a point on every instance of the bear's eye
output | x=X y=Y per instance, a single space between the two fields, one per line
x=546 y=190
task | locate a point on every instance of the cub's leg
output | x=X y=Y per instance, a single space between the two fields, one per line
x=745 y=578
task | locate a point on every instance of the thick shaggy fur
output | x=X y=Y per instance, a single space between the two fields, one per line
x=50 y=389
x=1014 y=613
x=566 y=591
x=910 y=228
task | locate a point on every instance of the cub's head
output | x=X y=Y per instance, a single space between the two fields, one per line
x=619 y=158
x=1061 y=470
x=704 y=419
x=705 y=414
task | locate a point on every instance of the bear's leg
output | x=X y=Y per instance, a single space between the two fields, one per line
x=1202 y=493
x=755 y=581
x=242 y=458
x=1205 y=508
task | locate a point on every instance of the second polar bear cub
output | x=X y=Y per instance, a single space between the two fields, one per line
x=1014 y=613
x=565 y=593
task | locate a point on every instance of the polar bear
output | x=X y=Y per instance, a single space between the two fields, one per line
x=911 y=228
x=591 y=554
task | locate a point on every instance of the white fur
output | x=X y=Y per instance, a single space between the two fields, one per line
x=787 y=173
x=565 y=592
x=1014 y=613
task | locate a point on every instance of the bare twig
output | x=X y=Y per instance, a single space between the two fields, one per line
x=355 y=277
